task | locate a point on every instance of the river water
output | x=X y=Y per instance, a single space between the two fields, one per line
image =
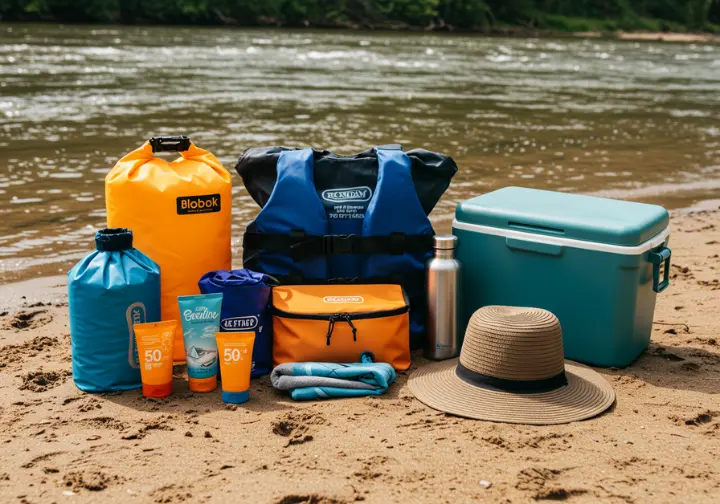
x=634 y=120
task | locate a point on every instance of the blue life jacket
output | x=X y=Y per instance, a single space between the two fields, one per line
x=350 y=234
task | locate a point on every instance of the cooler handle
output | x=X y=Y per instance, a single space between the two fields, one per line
x=531 y=246
x=170 y=143
x=657 y=258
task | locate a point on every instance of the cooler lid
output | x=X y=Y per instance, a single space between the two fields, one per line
x=574 y=216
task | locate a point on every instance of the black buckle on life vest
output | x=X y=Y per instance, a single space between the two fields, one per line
x=339 y=244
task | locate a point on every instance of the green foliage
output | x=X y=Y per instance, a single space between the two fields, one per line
x=70 y=10
x=565 y=15
x=413 y=12
x=466 y=13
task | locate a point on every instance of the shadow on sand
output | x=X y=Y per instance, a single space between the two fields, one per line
x=675 y=367
x=263 y=398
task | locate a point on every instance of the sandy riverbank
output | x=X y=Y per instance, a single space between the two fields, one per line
x=703 y=38
x=658 y=444
x=685 y=38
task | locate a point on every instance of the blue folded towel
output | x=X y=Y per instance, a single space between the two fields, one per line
x=323 y=380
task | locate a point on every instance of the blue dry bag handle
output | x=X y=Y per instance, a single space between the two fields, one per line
x=657 y=258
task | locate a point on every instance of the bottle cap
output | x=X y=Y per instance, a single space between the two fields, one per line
x=157 y=391
x=445 y=242
x=113 y=239
x=235 y=397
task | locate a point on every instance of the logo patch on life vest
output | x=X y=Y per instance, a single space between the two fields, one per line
x=347 y=195
x=208 y=203
x=233 y=323
x=344 y=299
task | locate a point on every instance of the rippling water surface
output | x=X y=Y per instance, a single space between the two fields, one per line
x=623 y=119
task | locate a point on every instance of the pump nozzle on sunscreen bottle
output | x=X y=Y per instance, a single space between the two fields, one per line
x=155 y=348
x=236 y=349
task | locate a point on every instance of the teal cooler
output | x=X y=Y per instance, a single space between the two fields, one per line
x=596 y=263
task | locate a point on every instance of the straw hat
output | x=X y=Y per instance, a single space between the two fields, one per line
x=511 y=369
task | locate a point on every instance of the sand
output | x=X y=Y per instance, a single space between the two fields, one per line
x=703 y=38
x=659 y=443
x=673 y=37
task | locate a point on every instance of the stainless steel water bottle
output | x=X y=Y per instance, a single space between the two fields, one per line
x=443 y=289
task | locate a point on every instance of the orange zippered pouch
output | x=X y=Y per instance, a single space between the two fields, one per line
x=337 y=323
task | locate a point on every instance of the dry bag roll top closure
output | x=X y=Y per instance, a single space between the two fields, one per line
x=317 y=228
x=179 y=212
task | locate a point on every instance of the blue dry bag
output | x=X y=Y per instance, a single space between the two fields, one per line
x=110 y=290
x=244 y=308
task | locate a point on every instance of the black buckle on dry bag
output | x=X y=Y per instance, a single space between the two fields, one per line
x=170 y=143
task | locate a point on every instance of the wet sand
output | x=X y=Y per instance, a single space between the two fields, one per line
x=659 y=443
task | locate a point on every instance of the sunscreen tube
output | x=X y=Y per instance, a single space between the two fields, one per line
x=200 y=317
x=236 y=349
x=155 y=349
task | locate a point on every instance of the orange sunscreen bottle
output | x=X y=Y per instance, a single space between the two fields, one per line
x=155 y=349
x=236 y=349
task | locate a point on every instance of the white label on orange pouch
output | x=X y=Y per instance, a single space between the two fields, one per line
x=344 y=299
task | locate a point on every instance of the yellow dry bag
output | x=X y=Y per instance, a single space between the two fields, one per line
x=179 y=213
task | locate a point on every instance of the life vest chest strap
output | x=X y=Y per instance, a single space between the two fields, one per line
x=302 y=247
